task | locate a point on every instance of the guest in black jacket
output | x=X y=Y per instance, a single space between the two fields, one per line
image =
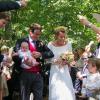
x=11 y=5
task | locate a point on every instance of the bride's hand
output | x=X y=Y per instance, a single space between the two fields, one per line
x=64 y=62
x=60 y=62
x=57 y=61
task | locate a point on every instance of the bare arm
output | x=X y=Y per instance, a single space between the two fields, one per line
x=87 y=23
x=94 y=28
x=22 y=3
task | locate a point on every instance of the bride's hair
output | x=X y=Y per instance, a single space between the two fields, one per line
x=59 y=29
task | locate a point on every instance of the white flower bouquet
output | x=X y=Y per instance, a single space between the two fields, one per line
x=67 y=57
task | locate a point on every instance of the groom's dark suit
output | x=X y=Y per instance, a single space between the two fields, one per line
x=35 y=82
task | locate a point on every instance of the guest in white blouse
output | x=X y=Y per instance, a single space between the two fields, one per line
x=91 y=88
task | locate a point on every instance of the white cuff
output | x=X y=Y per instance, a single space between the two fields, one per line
x=19 y=3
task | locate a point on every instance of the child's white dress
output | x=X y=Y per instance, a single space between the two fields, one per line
x=92 y=82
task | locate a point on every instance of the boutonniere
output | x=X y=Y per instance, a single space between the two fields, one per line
x=40 y=44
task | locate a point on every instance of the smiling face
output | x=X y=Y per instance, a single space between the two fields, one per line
x=35 y=31
x=60 y=34
x=60 y=38
x=36 y=34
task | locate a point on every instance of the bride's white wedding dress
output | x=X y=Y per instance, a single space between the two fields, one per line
x=60 y=83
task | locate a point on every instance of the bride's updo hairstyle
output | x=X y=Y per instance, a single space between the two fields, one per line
x=59 y=29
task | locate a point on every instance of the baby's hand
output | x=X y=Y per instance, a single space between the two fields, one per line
x=36 y=54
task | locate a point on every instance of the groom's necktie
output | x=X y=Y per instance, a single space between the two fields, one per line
x=34 y=42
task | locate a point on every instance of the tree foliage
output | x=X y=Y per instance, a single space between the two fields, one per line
x=52 y=13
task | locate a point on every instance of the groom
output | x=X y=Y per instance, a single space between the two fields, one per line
x=31 y=80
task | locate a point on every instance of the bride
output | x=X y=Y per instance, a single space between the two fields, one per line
x=60 y=83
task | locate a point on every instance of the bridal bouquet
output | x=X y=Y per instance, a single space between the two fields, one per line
x=67 y=57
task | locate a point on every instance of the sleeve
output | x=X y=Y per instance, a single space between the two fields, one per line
x=46 y=52
x=49 y=46
x=76 y=70
x=19 y=3
x=9 y=5
x=17 y=59
x=17 y=45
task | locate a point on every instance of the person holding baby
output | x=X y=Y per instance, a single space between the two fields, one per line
x=31 y=53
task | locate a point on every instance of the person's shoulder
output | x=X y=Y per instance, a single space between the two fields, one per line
x=40 y=42
x=69 y=43
x=51 y=45
x=51 y=42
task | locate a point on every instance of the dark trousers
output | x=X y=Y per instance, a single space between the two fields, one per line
x=31 y=83
x=13 y=86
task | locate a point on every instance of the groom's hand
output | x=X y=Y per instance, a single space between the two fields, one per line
x=36 y=54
